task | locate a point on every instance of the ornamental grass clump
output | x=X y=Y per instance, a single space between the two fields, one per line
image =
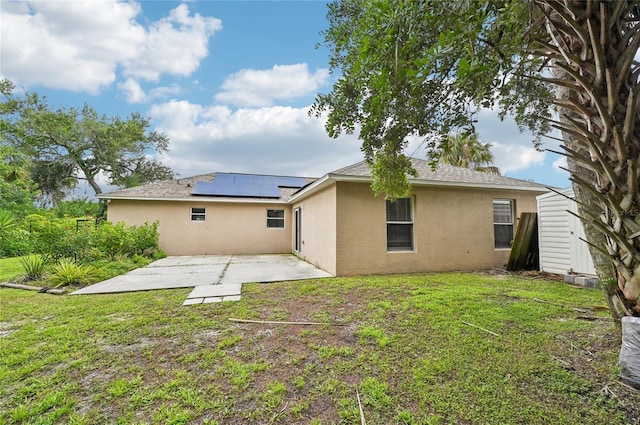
x=34 y=266
x=67 y=272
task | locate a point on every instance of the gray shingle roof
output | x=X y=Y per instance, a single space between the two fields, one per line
x=181 y=189
x=444 y=174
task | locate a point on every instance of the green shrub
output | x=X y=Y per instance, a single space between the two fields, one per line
x=107 y=269
x=145 y=237
x=57 y=237
x=7 y=222
x=15 y=243
x=34 y=266
x=8 y=228
x=158 y=254
x=114 y=239
x=67 y=272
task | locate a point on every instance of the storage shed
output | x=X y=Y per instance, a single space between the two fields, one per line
x=559 y=235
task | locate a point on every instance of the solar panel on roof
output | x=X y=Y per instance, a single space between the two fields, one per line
x=222 y=177
x=246 y=185
x=202 y=188
x=269 y=191
x=289 y=181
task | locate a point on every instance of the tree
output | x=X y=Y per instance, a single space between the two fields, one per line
x=68 y=144
x=465 y=150
x=17 y=191
x=405 y=70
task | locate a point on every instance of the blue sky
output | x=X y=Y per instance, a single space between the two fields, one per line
x=229 y=82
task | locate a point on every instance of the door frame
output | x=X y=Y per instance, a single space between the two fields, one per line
x=297 y=229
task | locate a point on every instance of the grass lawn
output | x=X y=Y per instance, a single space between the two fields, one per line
x=401 y=341
x=10 y=268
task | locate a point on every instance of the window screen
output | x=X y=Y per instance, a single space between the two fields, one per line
x=400 y=225
x=275 y=219
x=503 y=222
x=198 y=214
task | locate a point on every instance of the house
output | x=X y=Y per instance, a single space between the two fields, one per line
x=561 y=235
x=454 y=219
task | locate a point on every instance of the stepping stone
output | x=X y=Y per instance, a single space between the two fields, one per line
x=206 y=291
x=209 y=300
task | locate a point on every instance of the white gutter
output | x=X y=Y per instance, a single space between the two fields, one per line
x=197 y=199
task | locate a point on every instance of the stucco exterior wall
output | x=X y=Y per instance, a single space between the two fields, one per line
x=453 y=230
x=318 y=229
x=229 y=228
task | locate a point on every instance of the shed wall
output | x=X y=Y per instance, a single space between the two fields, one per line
x=559 y=234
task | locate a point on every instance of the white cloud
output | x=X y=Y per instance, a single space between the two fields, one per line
x=560 y=162
x=512 y=150
x=275 y=140
x=79 y=45
x=256 y=88
x=132 y=91
x=174 y=45
x=513 y=157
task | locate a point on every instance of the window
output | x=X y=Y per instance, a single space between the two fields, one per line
x=198 y=214
x=275 y=219
x=399 y=225
x=503 y=222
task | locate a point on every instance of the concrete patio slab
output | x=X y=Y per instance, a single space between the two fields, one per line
x=270 y=268
x=212 y=270
x=192 y=260
x=211 y=276
x=146 y=282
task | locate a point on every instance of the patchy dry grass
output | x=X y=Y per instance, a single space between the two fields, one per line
x=400 y=340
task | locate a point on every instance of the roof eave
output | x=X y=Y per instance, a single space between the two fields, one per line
x=328 y=178
x=196 y=199
x=317 y=185
x=417 y=182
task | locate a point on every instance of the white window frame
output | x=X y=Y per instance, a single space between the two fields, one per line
x=276 y=219
x=195 y=215
x=511 y=223
x=410 y=222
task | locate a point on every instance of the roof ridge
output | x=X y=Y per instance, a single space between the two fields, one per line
x=443 y=173
x=343 y=169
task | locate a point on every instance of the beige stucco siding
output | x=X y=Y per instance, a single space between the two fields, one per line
x=453 y=230
x=319 y=229
x=229 y=228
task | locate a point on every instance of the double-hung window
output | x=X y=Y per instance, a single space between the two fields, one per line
x=198 y=214
x=275 y=219
x=400 y=225
x=503 y=219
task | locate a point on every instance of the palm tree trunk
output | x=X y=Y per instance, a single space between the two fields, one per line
x=592 y=45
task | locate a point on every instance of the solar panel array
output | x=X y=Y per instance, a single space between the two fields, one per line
x=246 y=185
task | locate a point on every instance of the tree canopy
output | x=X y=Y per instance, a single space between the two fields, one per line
x=405 y=70
x=465 y=150
x=66 y=145
x=17 y=191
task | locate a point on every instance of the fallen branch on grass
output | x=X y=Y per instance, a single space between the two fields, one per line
x=277 y=322
x=482 y=329
x=54 y=291
x=274 y=417
x=579 y=310
x=362 y=420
